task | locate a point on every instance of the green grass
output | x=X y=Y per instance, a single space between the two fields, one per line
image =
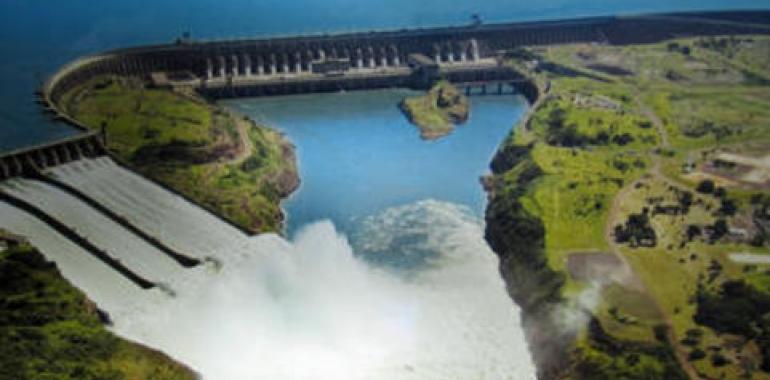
x=631 y=362
x=628 y=314
x=135 y=116
x=706 y=99
x=49 y=330
x=575 y=192
x=739 y=113
x=188 y=145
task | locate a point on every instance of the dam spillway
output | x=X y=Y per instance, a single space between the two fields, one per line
x=172 y=221
x=171 y=218
x=129 y=250
x=283 y=302
x=77 y=265
x=28 y=160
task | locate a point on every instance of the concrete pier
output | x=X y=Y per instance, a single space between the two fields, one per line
x=222 y=67
x=260 y=65
x=209 y=69
x=247 y=63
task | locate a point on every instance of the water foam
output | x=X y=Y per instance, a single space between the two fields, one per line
x=311 y=309
x=314 y=307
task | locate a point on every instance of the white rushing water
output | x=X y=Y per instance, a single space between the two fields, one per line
x=303 y=309
x=86 y=272
x=144 y=259
x=193 y=230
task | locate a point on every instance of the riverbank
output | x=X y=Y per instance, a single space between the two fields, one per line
x=602 y=170
x=437 y=112
x=49 y=328
x=222 y=161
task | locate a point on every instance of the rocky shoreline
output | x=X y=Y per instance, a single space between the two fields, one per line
x=518 y=239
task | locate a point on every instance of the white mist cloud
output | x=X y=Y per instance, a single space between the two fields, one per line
x=574 y=315
x=310 y=309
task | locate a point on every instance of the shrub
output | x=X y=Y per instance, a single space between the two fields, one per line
x=705 y=187
x=728 y=207
x=693 y=231
x=696 y=354
x=623 y=139
x=720 y=229
x=719 y=360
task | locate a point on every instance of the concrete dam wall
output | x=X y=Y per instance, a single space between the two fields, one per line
x=99 y=247
x=414 y=58
x=319 y=63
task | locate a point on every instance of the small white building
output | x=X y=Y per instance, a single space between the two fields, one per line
x=736 y=232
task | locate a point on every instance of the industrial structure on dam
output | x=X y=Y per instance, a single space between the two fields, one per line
x=471 y=56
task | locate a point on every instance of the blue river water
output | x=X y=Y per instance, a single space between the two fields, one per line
x=37 y=36
x=358 y=153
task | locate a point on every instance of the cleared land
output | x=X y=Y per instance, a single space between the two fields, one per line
x=218 y=159
x=610 y=164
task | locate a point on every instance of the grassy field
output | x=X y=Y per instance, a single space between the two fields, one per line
x=437 y=112
x=49 y=330
x=610 y=140
x=220 y=160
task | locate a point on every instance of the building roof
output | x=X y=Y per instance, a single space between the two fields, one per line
x=421 y=60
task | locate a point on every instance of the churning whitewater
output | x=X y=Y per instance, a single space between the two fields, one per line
x=416 y=296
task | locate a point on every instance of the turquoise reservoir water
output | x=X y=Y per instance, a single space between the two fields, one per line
x=358 y=154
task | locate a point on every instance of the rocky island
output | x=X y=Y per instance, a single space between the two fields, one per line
x=437 y=112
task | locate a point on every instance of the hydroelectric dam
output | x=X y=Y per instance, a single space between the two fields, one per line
x=77 y=193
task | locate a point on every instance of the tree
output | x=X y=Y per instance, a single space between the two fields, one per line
x=728 y=207
x=706 y=186
x=686 y=200
x=696 y=354
x=623 y=139
x=693 y=231
x=720 y=229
